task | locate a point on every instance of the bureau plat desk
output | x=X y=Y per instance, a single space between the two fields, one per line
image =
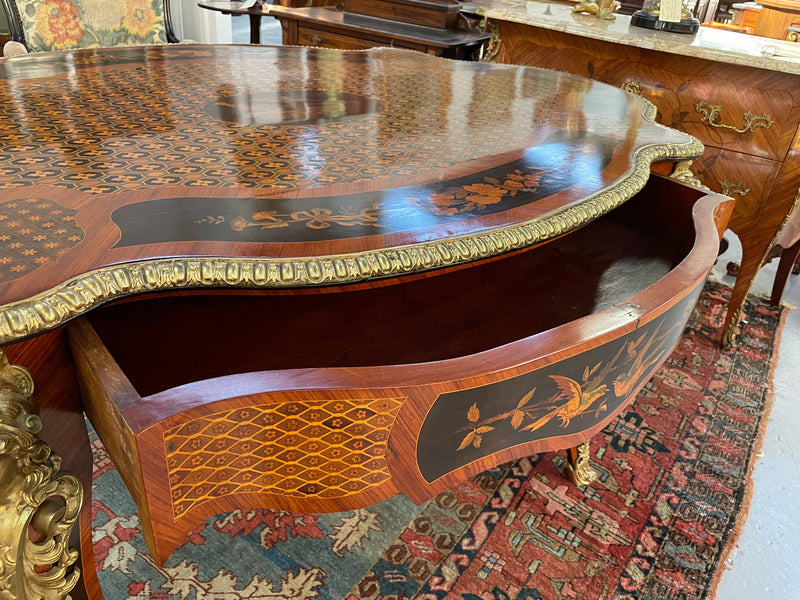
x=721 y=87
x=287 y=277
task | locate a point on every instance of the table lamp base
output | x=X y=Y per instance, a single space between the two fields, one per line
x=643 y=19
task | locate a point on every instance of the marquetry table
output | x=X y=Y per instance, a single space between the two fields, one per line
x=310 y=279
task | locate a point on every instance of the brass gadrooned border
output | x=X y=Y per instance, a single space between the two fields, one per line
x=51 y=308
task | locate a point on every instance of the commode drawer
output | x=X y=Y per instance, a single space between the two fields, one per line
x=748 y=111
x=747 y=179
x=309 y=36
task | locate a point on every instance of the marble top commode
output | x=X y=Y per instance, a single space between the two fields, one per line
x=712 y=44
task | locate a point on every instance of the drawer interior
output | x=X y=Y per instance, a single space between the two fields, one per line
x=200 y=335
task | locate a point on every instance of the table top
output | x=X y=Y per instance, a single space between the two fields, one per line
x=130 y=170
x=236 y=8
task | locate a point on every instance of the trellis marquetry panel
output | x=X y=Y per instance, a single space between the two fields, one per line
x=324 y=449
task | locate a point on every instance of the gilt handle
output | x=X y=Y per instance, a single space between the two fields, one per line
x=729 y=188
x=315 y=40
x=711 y=114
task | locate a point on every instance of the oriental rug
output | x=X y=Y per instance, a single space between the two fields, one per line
x=673 y=489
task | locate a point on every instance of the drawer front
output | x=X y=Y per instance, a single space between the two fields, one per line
x=309 y=36
x=747 y=179
x=725 y=106
x=525 y=45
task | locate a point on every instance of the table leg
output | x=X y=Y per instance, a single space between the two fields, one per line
x=255 y=28
x=758 y=228
x=579 y=467
x=757 y=241
x=786 y=266
x=39 y=503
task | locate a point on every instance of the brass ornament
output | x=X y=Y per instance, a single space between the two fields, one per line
x=603 y=9
x=54 y=307
x=33 y=496
x=729 y=188
x=579 y=466
x=732 y=332
x=683 y=173
x=711 y=114
x=633 y=86
x=650 y=112
x=492 y=47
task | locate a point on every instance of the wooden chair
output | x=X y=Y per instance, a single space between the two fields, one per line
x=51 y=25
x=788 y=248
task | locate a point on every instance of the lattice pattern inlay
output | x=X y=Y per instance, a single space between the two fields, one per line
x=323 y=449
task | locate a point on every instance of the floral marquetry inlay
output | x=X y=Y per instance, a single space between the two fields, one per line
x=325 y=449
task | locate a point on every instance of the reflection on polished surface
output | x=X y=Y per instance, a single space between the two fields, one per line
x=391 y=147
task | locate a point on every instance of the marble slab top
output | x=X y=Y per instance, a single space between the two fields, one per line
x=711 y=44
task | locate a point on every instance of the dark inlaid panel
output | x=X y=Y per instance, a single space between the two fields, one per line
x=564 y=160
x=563 y=398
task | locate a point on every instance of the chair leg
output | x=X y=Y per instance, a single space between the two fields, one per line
x=788 y=259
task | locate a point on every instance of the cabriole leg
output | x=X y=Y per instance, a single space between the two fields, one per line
x=38 y=505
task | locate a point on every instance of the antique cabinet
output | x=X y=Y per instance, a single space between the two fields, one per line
x=432 y=27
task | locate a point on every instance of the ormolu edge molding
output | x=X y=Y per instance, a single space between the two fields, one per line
x=53 y=307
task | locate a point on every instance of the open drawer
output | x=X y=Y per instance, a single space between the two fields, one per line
x=327 y=399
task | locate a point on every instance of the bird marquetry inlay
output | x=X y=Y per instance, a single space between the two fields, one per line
x=566 y=397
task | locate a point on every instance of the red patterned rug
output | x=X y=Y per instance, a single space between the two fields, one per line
x=672 y=492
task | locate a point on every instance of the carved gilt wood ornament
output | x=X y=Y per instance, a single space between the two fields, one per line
x=38 y=505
